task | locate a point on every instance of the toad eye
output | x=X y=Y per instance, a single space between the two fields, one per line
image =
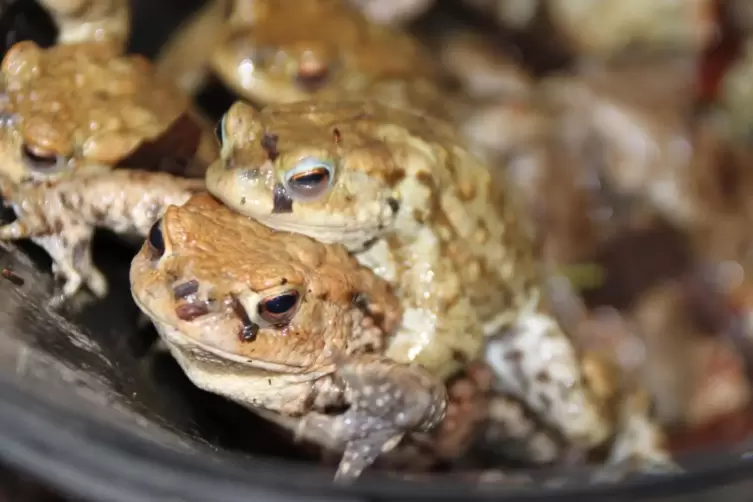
x=279 y=309
x=309 y=179
x=155 y=238
x=38 y=162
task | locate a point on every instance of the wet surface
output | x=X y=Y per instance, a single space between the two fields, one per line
x=19 y=487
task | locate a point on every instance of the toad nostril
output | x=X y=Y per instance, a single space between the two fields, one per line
x=248 y=332
x=282 y=203
x=191 y=311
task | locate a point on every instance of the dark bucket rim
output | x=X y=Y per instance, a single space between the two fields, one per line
x=70 y=450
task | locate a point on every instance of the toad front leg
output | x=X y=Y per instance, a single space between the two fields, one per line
x=71 y=255
x=387 y=400
x=535 y=362
x=91 y=20
x=639 y=444
x=60 y=216
x=66 y=239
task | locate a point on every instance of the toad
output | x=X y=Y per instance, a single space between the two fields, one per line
x=82 y=107
x=273 y=51
x=280 y=52
x=73 y=112
x=412 y=204
x=284 y=325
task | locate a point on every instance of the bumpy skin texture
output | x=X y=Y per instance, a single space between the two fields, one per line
x=81 y=107
x=328 y=50
x=205 y=276
x=400 y=191
x=101 y=21
x=639 y=443
x=281 y=52
x=61 y=215
x=70 y=114
x=272 y=50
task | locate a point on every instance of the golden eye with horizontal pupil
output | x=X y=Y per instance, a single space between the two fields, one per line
x=38 y=162
x=280 y=308
x=309 y=179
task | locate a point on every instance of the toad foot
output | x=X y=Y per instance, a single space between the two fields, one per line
x=639 y=445
x=387 y=400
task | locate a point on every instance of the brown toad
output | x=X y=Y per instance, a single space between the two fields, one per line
x=73 y=112
x=272 y=50
x=284 y=325
x=422 y=212
x=280 y=52
x=82 y=107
